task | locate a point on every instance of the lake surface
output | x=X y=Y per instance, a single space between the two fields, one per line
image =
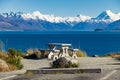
x=98 y=43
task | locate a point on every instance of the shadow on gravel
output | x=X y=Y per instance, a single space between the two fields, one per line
x=46 y=68
x=46 y=78
x=118 y=59
x=114 y=64
x=21 y=79
x=117 y=63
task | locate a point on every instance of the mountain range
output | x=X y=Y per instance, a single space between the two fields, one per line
x=36 y=21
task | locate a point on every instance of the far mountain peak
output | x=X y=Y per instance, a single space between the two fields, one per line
x=108 y=15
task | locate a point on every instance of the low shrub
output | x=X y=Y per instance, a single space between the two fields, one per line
x=46 y=54
x=29 y=73
x=20 y=53
x=63 y=63
x=16 y=62
x=13 y=59
x=33 y=54
x=3 y=55
x=81 y=54
x=113 y=55
x=12 y=67
x=73 y=65
x=30 y=52
x=37 y=53
x=12 y=52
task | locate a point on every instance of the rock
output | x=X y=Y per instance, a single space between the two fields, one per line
x=61 y=63
x=3 y=66
x=95 y=55
x=65 y=62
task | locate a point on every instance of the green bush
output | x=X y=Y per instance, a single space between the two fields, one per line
x=20 y=66
x=19 y=53
x=15 y=61
x=12 y=52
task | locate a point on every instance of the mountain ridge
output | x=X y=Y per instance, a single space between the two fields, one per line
x=51 y=18
x=39 y=21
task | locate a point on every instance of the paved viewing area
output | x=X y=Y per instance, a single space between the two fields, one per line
x=110 y=70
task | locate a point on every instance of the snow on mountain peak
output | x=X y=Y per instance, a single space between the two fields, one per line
x=38 y=15
x=109 y=12
x=108 y=15
x=83 y=18
x=78 y=18
x=12 y=14
x=52 y=18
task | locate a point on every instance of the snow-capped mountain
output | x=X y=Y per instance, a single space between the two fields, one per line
x=51 y=18
x=12 y=14
x=114 y=26
x=39 y=21
x=109 y=16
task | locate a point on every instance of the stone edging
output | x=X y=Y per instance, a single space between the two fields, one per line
x=63 y=71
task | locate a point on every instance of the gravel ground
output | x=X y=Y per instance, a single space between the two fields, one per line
x=103 y=63
x=115 y=76
x=108 y=65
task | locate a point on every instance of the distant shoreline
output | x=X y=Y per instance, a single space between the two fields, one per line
x=58 y=32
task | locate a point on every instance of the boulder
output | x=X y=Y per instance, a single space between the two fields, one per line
x=3 y=66
x=61 y=63
x=65 y=62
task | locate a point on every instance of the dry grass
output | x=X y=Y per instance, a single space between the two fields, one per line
x=30 y=52
x=3 y=55
x=80 y=53
x=113 y=55
x=33 y=54
x=29 y=73
x=46 y=54
x=12 y=67
x=38 y=54
x=13 y=62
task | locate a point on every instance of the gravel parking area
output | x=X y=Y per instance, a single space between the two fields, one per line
x=108 y=65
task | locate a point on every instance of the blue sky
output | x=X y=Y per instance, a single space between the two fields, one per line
x=61 y=7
